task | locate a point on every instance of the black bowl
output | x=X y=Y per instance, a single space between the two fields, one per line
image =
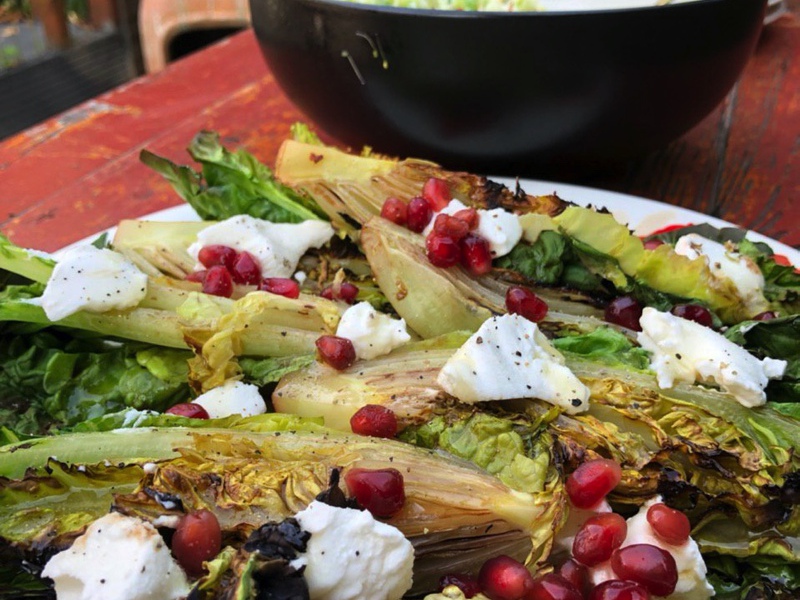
x=528 y=93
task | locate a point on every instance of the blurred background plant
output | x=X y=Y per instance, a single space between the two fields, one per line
x=55 y=54
x=77 y=10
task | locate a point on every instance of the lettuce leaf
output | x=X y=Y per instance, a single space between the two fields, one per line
x=63 y=380
x=542 y=261
x=556 y=259
x=755 y=577
x=231 y=183
x=515 y=452
x=779 y=339
x=263 y=371
x=605 y=345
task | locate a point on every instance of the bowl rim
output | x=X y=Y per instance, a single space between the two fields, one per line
x=355 y=6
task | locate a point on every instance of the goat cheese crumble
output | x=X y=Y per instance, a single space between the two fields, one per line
x=232 y=398
x=508 y=357
x=94 y=280
x=277 y=247
x=724 y=263
x=372 y=333
x=692 y=581
x=352 y=556
x=117 y=558
x=687 y=351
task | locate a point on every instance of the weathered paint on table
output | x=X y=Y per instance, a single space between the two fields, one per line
x=79 y=173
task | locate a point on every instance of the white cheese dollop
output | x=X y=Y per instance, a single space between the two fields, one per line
x=94 y=280
x=499 y=227
x=352 y=556
x=232 y=398
x=508 y=357
x=687 y=351
x=724 y=263
x=692 y=582
x=277 y=247
x=372 y=333
x=117 y=558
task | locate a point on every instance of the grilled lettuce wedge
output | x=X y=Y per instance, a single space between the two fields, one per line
x=265 y=470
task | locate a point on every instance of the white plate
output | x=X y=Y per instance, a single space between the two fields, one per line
x=641 y=215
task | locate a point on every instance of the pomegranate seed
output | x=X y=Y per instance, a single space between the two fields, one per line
x=669 y=228
x=598 y=537
x=443 y=251
x=653 y=244
x=380 y=491
x=766 y=316
x=347 y=292
x=218 y=282
x=217 y=254
x=437 y=193
x=503 y=578
x=576 y=574
x=470 y=216
x=188 y=409
x=197 y=276
x=782 y=260
x=693 y=312
x=553 y=587
x=624 y=311
x=395 y=210
x=198 y=538
x=466 y=583
x=338 y=352
x=619 y=590
x=375 y=421
x=245 y=269
x=650 y=566
x=449 y=226
x=476 y=256
x=419 y=214
x=523 y=302
x=282 y=286
x=592 y=481
x=669 y=524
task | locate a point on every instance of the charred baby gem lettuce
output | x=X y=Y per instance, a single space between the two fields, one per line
x=249 y=478
x=781 y=281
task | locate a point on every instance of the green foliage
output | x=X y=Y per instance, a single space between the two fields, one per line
x=232 y=183
x=779 y=339
x=51 y=378
x=605 y=345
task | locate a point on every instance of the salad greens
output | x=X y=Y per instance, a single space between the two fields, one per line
x=82 y=400
x=232 y=183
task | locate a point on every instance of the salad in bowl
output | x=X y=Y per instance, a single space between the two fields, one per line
x=363 y=377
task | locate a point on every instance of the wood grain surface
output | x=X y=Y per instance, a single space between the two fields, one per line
x=79 y=172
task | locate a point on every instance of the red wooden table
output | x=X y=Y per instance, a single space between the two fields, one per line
x=79 y=173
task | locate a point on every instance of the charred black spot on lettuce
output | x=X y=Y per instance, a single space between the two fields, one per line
x=168 y=501
x=278 y=540
x=334 y=496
